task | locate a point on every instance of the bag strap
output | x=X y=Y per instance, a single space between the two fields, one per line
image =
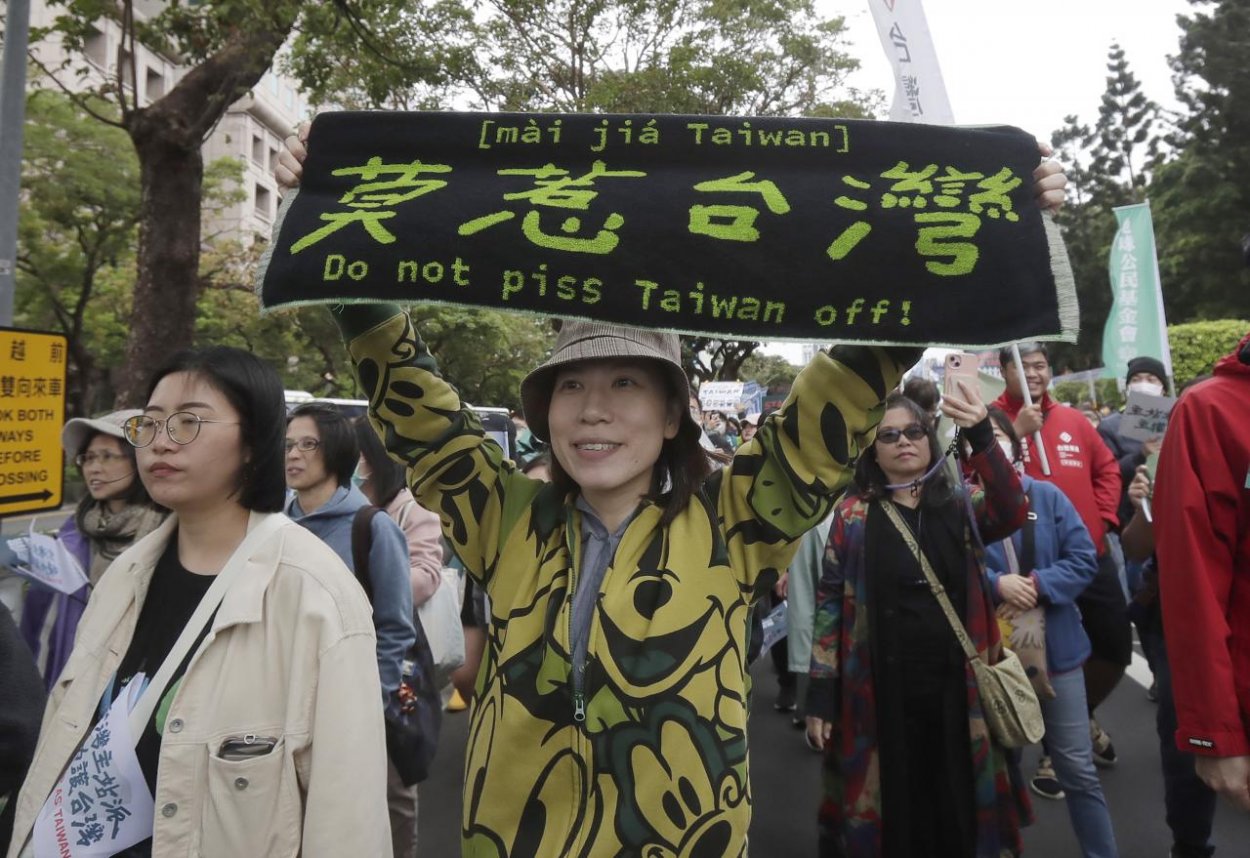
x=1028 y=539
x=148 y=701
x=362 y=545
x=1023 y=563
x=939 y=592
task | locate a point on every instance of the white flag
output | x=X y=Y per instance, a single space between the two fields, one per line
x=919 y=93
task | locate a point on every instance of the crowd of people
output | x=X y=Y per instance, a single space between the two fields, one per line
x=256 y=579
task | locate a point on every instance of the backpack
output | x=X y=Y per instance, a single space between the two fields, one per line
x=414 y=721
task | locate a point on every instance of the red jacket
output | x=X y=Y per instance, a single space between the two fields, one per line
x=1080 y=463
x=1202 y=539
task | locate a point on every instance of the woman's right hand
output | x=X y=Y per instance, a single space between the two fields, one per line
x=1139 y=489
x=290 y=167
x=818 y=732
x=1018 y=591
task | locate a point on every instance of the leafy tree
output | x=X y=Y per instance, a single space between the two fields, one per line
x=1109 y=169
x=1125 y=133
x=485 y=354
x=76 y=232
x=768 y=369
x=1196 y=346
x=226 y=46
x=1201 y=202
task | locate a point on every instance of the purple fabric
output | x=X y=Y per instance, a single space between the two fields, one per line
x=69 y=610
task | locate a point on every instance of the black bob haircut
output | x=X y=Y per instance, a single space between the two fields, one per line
x=253 y=388
x=386 y=476
x=339 y=449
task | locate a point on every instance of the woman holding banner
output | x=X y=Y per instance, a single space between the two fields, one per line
x=115 y=512
x=225 y=666
x=612 y=713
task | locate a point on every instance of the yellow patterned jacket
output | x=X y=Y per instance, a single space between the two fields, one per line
x=658 y=766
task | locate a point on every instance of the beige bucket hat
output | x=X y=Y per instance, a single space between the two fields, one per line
x=76 y=432
x=579 y=340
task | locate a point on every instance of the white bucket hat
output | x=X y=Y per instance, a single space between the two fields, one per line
x=76 y=432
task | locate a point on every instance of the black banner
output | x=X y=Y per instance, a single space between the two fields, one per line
x=742 y=228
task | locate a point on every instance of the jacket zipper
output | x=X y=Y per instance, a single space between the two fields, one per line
x=579 y=698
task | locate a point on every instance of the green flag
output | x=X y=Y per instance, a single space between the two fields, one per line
x=1136 y=324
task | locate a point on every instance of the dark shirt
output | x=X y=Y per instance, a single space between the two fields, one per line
x=172 y=598
x=927 y=647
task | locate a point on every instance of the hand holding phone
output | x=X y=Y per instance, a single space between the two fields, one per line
x=960 y=365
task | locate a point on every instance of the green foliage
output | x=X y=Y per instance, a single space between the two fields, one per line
x=485 y=354
x=1199 y=212
x=767 y=370
x=1076 y=393
x=1196 y=346
x=76 y=233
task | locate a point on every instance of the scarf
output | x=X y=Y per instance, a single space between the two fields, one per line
x=111 y=533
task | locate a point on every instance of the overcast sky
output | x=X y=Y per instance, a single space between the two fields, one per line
x=1007 y=62
x=1027 y=64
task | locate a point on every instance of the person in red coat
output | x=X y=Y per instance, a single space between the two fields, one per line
x=1089 y=475
x=1202 y=541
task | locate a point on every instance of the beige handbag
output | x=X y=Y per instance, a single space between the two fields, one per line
x=1012 y=711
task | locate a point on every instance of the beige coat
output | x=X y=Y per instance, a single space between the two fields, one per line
x=291 y=654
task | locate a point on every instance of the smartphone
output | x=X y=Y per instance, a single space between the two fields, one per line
x=959 y=365
x=246 y=747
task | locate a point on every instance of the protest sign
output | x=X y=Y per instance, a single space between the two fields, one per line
x=743 y=228
x=721 y=395
x=1145 y=416
x=48 y=562
x=102 y=804
x=1136 y=324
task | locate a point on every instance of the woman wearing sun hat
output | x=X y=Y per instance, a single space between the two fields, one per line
x=114 y=513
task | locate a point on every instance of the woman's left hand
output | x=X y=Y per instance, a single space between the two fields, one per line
x=967 y=410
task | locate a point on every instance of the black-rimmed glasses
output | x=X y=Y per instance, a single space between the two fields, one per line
x=183 y=427
x=913 y=433
x=304 y=445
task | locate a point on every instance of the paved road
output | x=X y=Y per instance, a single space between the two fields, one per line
x=786 y=781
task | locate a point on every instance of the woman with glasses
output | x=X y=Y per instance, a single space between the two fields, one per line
x=910 y=768
x=231 y=644
x=114 y=513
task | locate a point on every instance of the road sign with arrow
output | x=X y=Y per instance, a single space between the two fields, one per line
x=32 y=412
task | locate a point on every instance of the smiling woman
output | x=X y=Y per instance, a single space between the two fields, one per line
x=620 y=593
x=237 y=641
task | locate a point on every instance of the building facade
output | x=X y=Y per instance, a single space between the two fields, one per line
x=252 y=129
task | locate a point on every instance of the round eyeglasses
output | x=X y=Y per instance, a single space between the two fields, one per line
x=304 y=445
x=104 y=457
x=913 y=433
x=183 y=427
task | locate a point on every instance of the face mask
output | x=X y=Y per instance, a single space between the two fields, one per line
x=1151 y=387
x=358 y=479
x=1005 y=446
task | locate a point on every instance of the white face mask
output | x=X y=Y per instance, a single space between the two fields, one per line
x=1151 y=387
x=1006 y=448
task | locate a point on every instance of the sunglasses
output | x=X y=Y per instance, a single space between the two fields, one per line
x=913 y=433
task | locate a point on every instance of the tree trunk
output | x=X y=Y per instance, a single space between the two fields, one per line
x=168 y=135
x=167 y=282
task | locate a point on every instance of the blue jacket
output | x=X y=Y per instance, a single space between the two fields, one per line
x=388 y=574
x=1065 y=562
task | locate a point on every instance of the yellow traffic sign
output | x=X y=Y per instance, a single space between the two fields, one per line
x=32 y=412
